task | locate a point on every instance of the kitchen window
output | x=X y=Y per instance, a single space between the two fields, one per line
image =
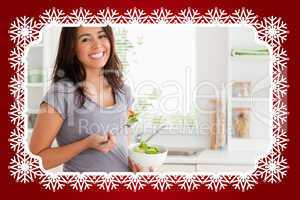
x=160 y=66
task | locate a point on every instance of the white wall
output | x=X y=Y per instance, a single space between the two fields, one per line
x=212 y=55
x=211 y=65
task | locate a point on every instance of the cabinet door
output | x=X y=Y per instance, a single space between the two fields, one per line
x=177 y=168
x=206 y=168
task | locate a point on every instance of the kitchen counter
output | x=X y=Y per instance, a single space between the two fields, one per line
x=217 y=157
x=213 y=161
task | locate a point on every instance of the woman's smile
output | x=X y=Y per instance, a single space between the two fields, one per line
x=97 y=55
x=92 y=47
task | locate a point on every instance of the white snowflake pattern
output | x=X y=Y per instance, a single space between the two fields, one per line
x=16 y=59
x=24 y=168
x=280 y=140
x=134 y=182
x=272 y=168
x=272 y=30
x=215 y=16
x=280 y=86
x=15 y=113
x=279 y=112
x=215 y=182
x=279 y=59
x=16 y=86
x=23 y=31
x=107 y=182
x=162 y=182
x=16 y=140
x=80 y=16
x=53 y=181
x=161 y=16
x=188 y=16
x=189 y=182
x=243 y=16
x=52 y=16
x=134 y=16
x=80 y=181
x=107 y=16
x=243 y=182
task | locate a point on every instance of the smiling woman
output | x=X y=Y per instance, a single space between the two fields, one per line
x=87 y=86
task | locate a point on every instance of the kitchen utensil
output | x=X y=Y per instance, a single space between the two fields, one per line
x=155 y=133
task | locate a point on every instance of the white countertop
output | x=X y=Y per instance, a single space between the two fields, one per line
x=225 y=157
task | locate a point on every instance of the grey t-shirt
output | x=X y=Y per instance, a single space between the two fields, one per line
x=80 y=122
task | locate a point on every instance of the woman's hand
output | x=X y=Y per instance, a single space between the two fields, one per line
x=135 y=167
x=102 y=143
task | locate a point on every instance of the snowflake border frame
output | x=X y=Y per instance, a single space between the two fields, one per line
x=25 y=167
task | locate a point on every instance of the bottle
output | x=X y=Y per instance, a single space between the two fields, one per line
x=218 y=124
x=213 y=130
x=242 y=122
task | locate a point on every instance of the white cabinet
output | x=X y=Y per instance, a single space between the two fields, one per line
x=213 y=161
x=40 y=61
x=255 y=70
x=219 y=168
x=207 y=168
x=217 y=70
x=178 y=168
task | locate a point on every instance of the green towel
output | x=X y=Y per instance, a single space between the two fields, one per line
x=250 y=52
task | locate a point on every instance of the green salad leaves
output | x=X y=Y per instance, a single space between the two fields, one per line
x=144 y=148
x=132 y=117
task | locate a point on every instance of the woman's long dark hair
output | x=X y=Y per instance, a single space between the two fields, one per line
x=67 y=65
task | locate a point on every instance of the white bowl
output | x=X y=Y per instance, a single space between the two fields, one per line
x=148 y=160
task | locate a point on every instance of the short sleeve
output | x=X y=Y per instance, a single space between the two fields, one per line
x=56 y=98
x=129 y=96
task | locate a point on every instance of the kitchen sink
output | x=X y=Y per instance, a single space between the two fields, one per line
x=184 y=151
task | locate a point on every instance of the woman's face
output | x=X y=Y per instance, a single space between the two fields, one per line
x=92 y=47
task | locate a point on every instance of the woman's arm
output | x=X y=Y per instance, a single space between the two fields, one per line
x=47 y=125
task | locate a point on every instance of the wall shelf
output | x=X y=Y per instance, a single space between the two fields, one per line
x=41 y=85
x=256 y=70
x=251 y=58
x=249 y=99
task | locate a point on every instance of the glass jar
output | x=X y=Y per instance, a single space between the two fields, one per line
x=241 y=122
x=241 y=89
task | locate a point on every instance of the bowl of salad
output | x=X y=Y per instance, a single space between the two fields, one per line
x=147 y=155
